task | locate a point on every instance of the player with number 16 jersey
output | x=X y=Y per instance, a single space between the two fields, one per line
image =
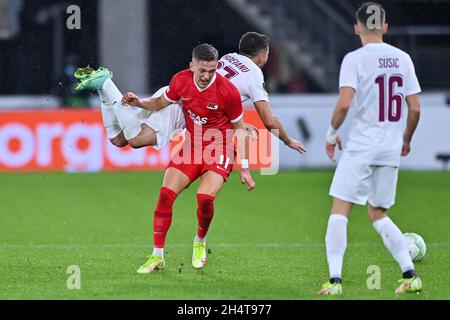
x=382 y=77
x=380 y=82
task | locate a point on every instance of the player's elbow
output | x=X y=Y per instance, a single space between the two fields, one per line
x=413 y=105
x=343 y=107
x=415 y=110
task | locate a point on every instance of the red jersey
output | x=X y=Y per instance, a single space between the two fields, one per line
x=217 y=106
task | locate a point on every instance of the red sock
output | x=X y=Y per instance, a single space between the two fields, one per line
x=163 y=216
x=205 y=213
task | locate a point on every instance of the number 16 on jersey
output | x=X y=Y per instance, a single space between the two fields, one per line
x=394 y=101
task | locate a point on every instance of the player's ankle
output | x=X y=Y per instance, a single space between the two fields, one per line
x=409 y=274
x=336 y=280
x=159 y=252
x=197 y=239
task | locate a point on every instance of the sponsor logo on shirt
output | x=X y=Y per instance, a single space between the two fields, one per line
x=197 y=119
x=213 y=107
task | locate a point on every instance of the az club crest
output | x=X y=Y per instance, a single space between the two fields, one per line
x=212 y=107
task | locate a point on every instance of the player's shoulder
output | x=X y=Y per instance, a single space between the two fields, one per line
x=224 y=85
x=352 y=56
x=245 y=65
x=390 y=48
x=224 y=82
x=182 y=79
x=183 y=75
x=400 y=52
x=256 y=73
x=228 y=56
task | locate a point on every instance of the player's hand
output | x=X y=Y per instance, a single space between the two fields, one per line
x=406 y=149
x=296 y=145
x=131 y=99
x=246 y=178
x=329 y=148
x=252 y=131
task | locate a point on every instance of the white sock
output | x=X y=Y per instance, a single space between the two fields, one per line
x=110 y=95
x=110 y=121
x=116 y=116
x=128 y=120
x=336 y=243
x=197 y=239
x=126 y=117
x=395 y=242
x=158 y=252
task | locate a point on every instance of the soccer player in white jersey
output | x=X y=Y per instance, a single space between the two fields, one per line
x=243 y=69
x=378 y=78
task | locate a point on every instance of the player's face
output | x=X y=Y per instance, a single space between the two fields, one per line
x=203 y=72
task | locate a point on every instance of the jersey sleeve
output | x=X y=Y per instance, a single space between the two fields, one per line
x=172 y=93
x=412 y=83
x=233 y=105
x=348 y=76
x=257 y=89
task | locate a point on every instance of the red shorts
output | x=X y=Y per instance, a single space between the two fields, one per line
x=195 y=167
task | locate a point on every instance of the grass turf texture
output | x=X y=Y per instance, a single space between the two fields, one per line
x=263 y=245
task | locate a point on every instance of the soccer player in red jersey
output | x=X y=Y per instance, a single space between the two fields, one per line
x=213 y=112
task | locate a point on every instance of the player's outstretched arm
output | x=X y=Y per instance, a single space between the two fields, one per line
x=243 y=148
x=274 y=125
x=151 y=104
x=340 y=113
x=412 y=122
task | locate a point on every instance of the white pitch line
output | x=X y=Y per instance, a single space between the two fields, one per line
x=221 y=245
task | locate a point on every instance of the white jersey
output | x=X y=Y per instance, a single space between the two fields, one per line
x=382 y=77
x=245 y=75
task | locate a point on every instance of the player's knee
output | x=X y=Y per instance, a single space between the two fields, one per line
x=166 y=199
x=205 y=204
x=376 y=213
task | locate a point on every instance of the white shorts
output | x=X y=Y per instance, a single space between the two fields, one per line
x=168 y=122
x=360 y=183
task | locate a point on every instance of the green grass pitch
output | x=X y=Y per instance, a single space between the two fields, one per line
x=263 y=245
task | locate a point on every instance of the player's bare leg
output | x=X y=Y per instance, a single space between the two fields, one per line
x=336 y=244
x=175 y=180
x=210 y=186
x=145 y=138
x=341 y=207
x=376 y=213
x=174 y=183
x=211 y=183
x=395 y=243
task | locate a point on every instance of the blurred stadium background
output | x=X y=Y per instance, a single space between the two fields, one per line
x=46 y=127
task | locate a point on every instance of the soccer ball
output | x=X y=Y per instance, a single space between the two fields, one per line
x=416 y=246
